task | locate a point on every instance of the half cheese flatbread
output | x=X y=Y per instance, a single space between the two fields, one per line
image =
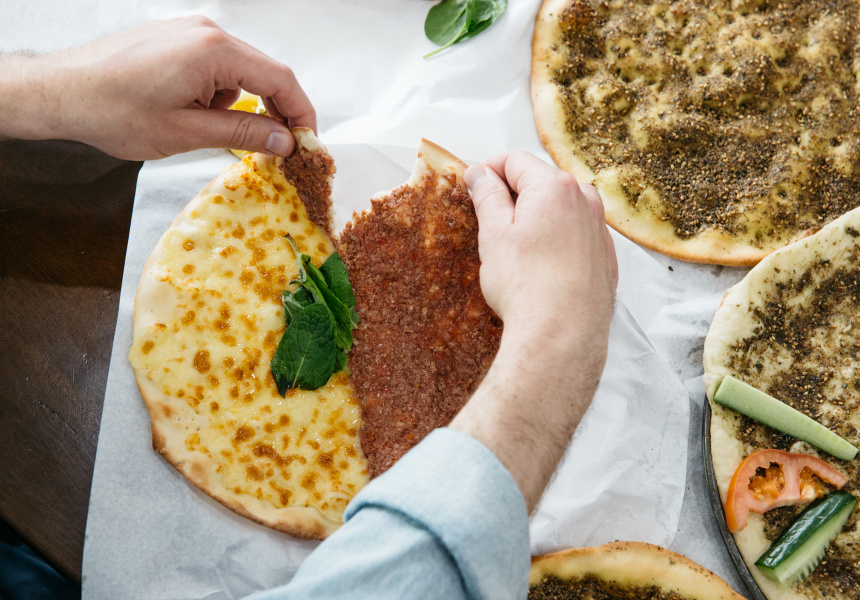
x=426 y=336
x=623 y=571
x=207 y=319
x=789 y=328
x=715 y=132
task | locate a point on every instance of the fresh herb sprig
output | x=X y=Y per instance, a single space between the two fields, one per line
x=320 y=317
x=452 y=21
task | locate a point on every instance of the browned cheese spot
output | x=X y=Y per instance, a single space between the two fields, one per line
x=243 y=434
x=201 y=361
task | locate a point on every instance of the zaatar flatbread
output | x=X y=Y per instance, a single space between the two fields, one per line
x=715 y=132
x=623 y=571
x=788 y=328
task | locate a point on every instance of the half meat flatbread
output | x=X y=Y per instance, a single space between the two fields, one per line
x=790 y=329
x=623 y=571
x=207 y=319
x=715 y=132
x=426 y=336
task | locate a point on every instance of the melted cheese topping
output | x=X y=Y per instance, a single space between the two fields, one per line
x=741 y=116
x=208 y=346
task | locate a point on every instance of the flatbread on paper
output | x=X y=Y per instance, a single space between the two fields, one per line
x=789 y=328
x=207 y=319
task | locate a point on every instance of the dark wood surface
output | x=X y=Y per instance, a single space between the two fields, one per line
x=65 y=211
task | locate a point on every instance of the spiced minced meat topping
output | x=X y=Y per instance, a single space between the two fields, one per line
x=426 y=336
x=592 y=588
x=803 y=350
x=311 y=174
x=742 y=116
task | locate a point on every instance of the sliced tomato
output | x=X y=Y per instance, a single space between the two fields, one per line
x=770 y=478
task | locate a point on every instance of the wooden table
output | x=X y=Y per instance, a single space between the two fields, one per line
x=65 y=211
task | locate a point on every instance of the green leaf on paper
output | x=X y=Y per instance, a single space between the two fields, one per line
x=452 y=21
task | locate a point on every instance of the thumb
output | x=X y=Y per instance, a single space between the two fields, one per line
x=237 y=130
x=494 y=205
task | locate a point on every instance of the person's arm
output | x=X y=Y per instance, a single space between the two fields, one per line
x=152 y=91
x=450 y=518
x=548 y=269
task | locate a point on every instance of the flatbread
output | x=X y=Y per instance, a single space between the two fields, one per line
x=788 y=328
x=624 y=571
x=426 y=336
x=207 y=319
x=715 y=133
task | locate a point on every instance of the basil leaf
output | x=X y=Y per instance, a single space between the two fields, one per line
x=339 y=311
x=306 y=354
x=294 y=302
x=337 y=279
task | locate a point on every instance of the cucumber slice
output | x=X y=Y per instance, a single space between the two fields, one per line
x=770 y=411
x=799 y=549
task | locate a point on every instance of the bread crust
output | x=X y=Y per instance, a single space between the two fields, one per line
x=634 y=565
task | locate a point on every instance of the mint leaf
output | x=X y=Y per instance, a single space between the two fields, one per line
x=320 y=316
x=302 y=275
x=337 y=279
x=339 y=361
x=339 y=311
x=295 y=302
x=306 y=354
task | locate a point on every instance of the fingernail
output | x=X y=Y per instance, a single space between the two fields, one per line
x=279 y=143
x=473 y=175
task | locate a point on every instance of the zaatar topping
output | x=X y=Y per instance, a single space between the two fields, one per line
x=743 y=117
x=590 y=588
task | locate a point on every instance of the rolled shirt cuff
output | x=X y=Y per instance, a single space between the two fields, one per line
x=458 y=490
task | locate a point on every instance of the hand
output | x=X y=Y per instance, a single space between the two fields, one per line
x=548 y=269
x=155 y=90
x=548 y=263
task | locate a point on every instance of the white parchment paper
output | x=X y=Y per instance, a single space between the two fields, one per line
x=623 y=478
x=634 y=468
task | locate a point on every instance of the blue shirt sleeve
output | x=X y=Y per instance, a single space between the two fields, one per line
x=446 y=521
